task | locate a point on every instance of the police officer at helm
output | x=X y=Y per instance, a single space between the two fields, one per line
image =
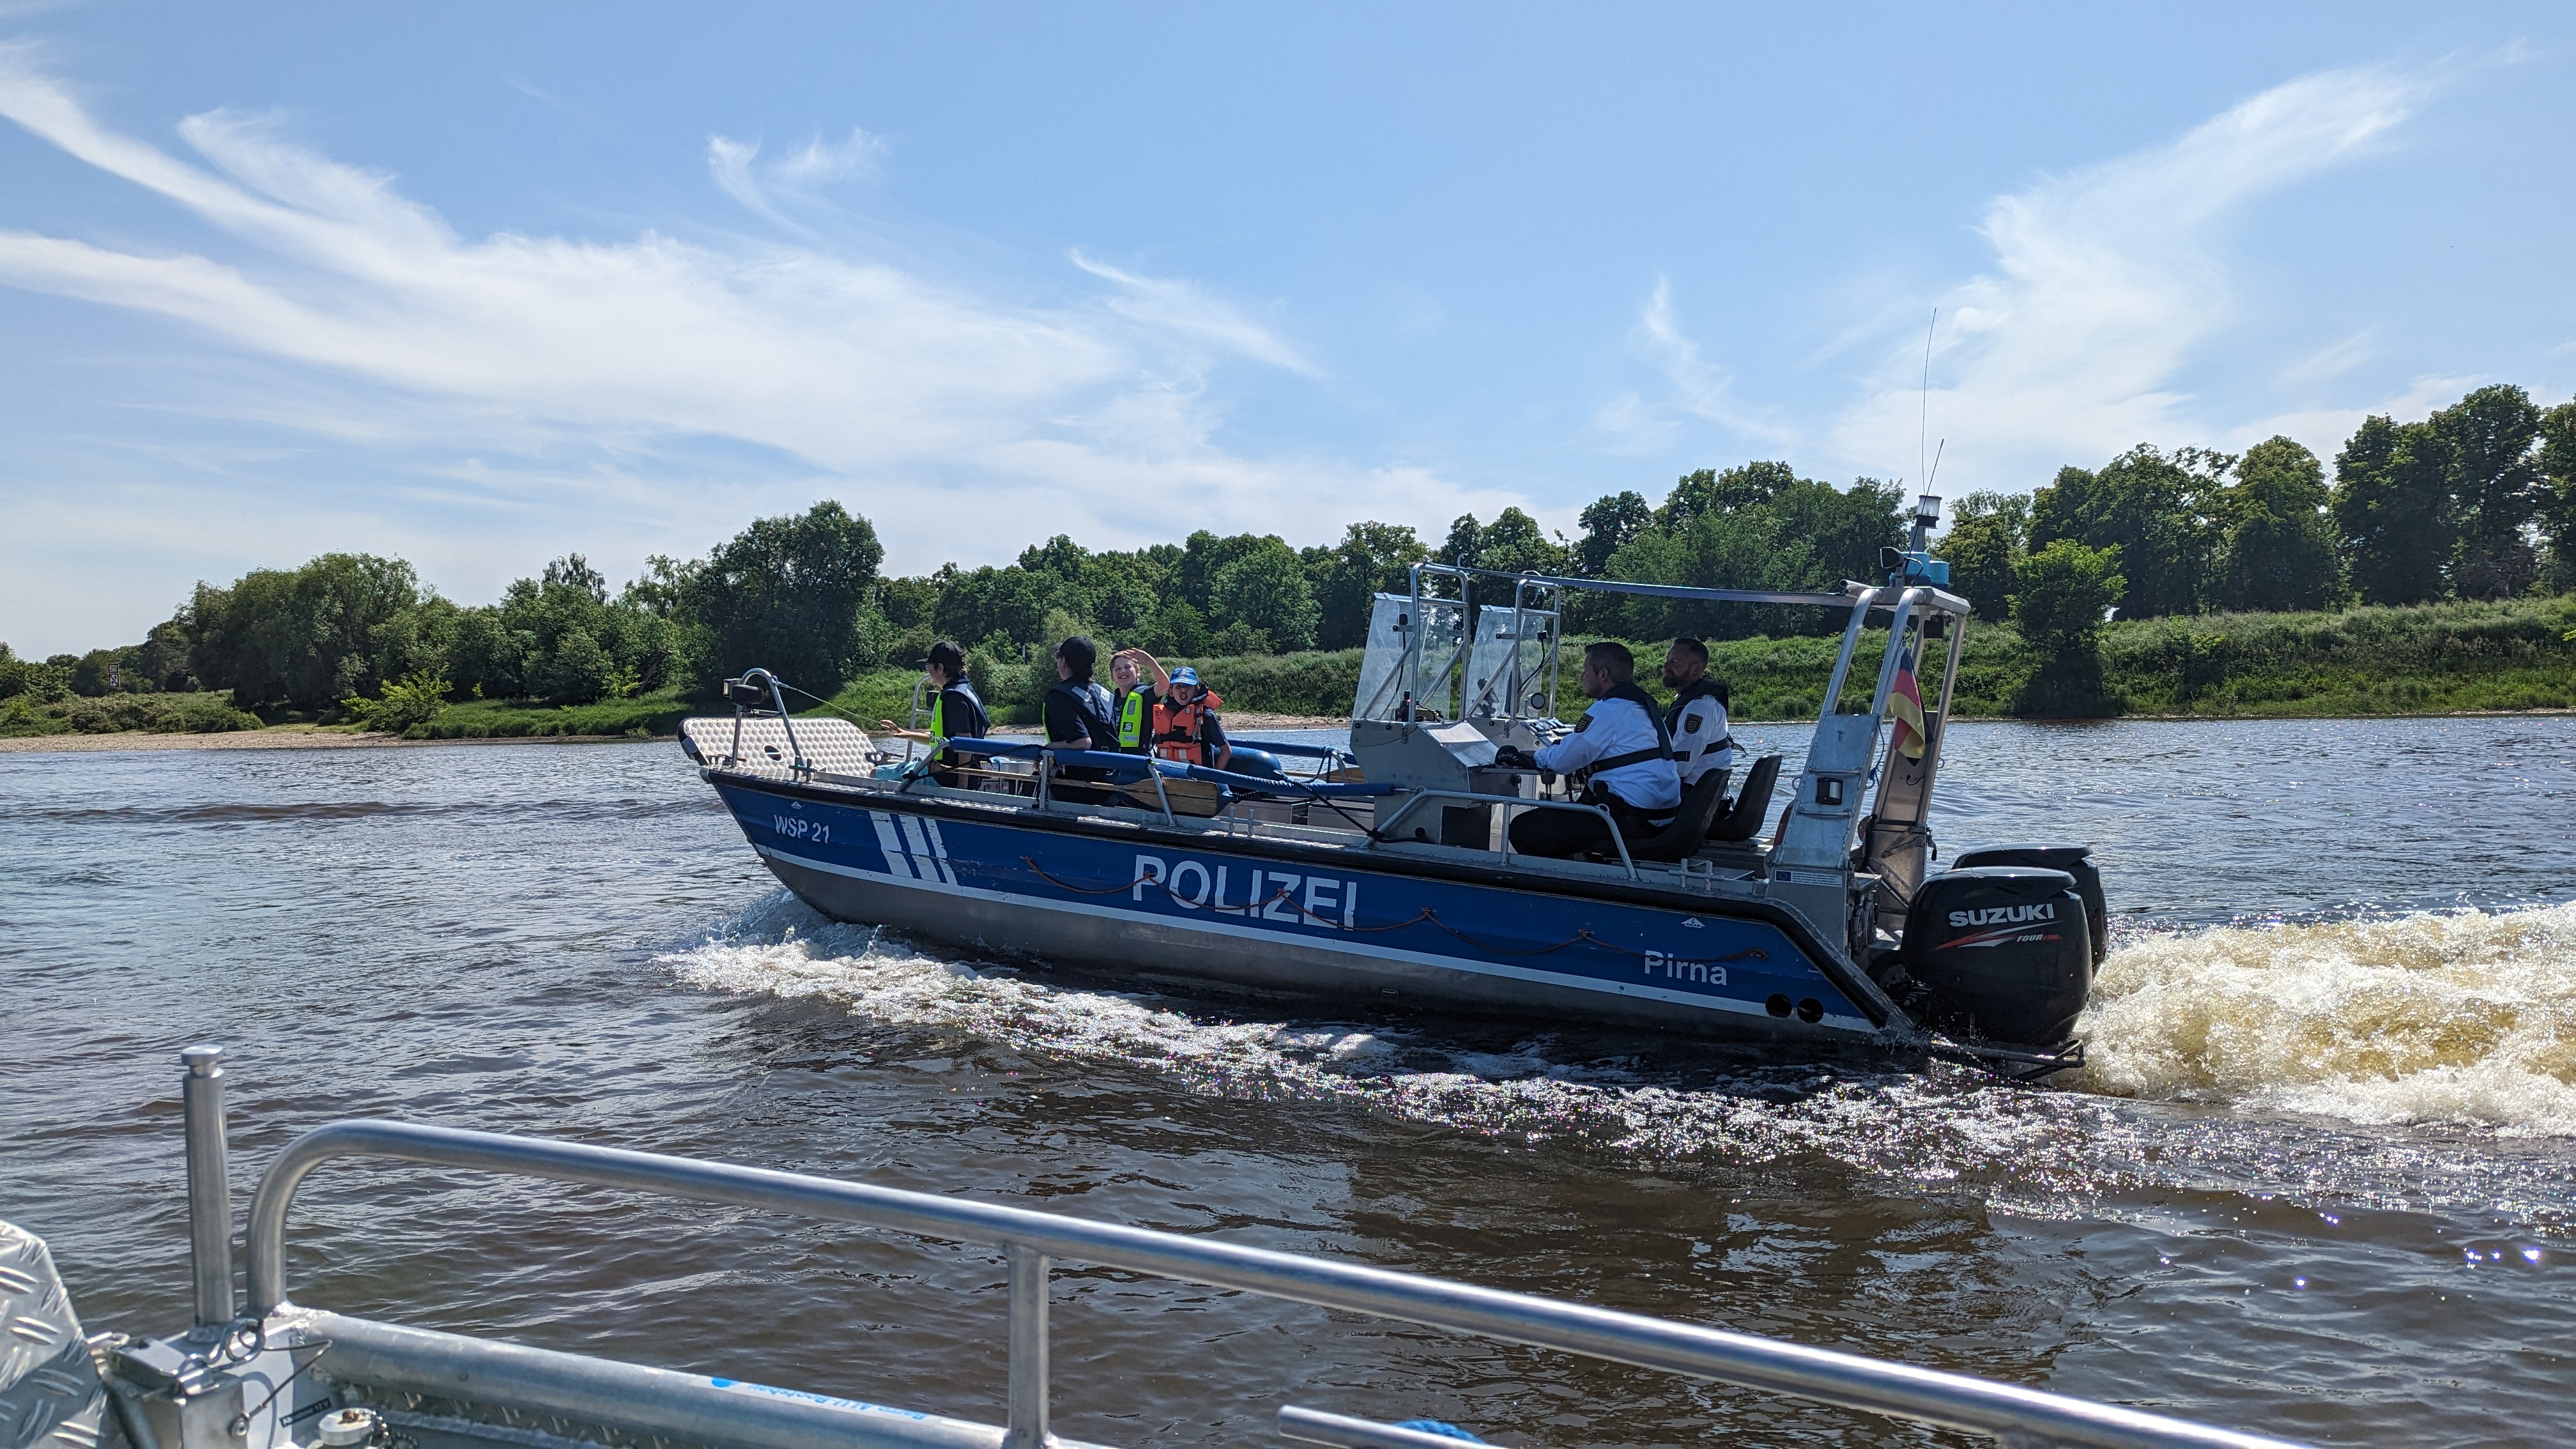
x=1621 y=744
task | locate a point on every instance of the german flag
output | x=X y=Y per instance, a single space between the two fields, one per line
x=1905 y=701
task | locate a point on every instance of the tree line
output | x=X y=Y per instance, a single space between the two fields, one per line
x=2478 y=501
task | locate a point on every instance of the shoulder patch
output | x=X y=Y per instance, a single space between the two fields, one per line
x=1690 y=724
x=1583 y=724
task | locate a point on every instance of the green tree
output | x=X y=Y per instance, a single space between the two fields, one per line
x=1203 y=554
x=306 y=637
x=1743 y=550
x=1608 y=523
x=1120 y=591
x=2278 y=549
x=1174 y=629
x=1758 y=526
x=1746 y=485
x=1513 y=543
x=1009 y=605
x=575 y=670
x=1265 y=592
x=1371 y=559
x=1463 y=546
x=2062 y=596
x=1989 y=532
x=2557 y=510
x=2153 y=508
x=784 y=593
x=574 y=572
x=2392 y=511
x=40 y=682
x=2494 y=483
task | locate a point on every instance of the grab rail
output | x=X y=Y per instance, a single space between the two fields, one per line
x=1030 y=1239
x=1519 y=802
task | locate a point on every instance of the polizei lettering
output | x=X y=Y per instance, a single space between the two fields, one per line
x=1235 y=889
x=2004 y=915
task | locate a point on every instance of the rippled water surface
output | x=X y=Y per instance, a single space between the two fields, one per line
x=2319 y=1180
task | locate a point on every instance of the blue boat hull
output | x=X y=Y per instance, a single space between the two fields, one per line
x=1156 y=907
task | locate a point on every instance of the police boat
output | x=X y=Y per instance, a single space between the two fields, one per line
x=1387 y=877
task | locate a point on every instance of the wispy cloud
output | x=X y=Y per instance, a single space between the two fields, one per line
x=2104 y=284
x=926 y=404
x=1695 y=388
x=1184 y=309
x=761 y=186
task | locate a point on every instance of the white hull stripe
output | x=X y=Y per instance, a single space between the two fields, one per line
x=1859 y=1026
x=897 y=858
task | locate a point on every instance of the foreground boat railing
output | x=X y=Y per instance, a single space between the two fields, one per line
x=725 y=1412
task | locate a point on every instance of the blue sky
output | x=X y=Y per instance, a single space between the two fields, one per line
x=481 y=285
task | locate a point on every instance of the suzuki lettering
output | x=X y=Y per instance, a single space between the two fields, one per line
x=2004 y=915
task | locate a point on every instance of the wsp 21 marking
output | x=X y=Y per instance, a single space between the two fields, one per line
x=795 y=829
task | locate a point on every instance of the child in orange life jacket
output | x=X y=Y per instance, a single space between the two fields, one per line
x=1186 y=727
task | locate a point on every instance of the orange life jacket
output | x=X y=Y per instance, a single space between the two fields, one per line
x=1180 y=731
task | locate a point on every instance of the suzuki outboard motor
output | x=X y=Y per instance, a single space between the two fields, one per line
x=2075 y=860
x=2008 y=947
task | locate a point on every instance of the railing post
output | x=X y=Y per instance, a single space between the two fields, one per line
x=210 y=1201
x=1028 y=1404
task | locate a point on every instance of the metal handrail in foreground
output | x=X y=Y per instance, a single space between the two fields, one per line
x=1029 y=1239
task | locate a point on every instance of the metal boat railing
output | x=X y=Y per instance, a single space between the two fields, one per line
x=725 y=1412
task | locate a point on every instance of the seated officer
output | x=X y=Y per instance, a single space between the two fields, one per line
x=1696 y=719
x=1621 y=744
x=956 y=712
x=1077 y=711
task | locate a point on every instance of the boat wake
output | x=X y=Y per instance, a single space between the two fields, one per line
x=2298 y=1020
x=2465 y=1016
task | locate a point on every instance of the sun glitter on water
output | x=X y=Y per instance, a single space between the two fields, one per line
x=2466 y=1016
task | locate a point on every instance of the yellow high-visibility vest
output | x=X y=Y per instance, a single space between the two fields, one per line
x=1131 y=720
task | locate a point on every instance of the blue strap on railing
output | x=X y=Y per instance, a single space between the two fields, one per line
x=1305 y=752
x=1125 y=769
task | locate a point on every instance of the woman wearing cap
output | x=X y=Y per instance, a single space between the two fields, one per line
x=1185 y=724
x=956 y=712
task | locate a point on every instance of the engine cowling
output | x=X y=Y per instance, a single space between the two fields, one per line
x=2007 y=948
x=2075 y=860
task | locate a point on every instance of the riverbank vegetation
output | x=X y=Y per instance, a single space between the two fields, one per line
x=2429 y=573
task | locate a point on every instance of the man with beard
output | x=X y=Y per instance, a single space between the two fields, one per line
x=1696 y=718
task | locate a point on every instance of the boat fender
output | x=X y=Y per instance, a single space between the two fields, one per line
x=1259 y=763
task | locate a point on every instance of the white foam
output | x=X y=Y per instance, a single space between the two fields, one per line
x=1935 y=1127
x=2252 y=1018
x=2466 y=1017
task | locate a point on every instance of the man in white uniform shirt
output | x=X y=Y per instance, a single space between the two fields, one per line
x=1697 y=717
x=1622 y=743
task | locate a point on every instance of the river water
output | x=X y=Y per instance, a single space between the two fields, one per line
x=2320 y=1179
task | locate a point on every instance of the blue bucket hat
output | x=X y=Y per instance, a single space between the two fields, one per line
x=1185 y=675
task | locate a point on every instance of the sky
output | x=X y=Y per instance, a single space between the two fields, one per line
x=482 y=285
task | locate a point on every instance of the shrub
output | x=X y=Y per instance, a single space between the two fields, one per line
x=401 y=705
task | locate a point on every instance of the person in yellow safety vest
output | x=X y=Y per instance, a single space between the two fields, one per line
x=1132 y=707
x=956 y=713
